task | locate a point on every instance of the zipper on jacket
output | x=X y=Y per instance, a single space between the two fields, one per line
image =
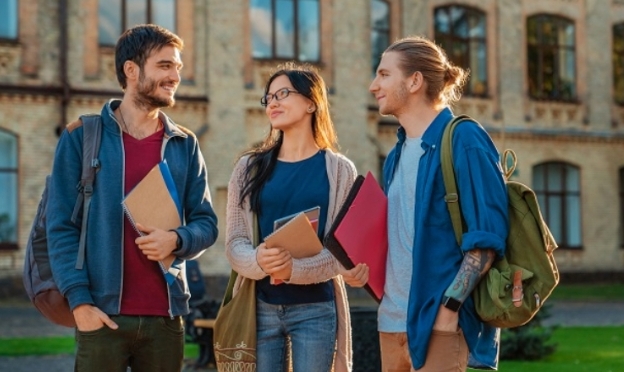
x=123 y=215
x=162 y=157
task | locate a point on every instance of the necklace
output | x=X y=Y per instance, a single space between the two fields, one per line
x=125 y=126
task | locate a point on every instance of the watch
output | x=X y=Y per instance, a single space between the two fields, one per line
x=178 y=241
x=451 y=303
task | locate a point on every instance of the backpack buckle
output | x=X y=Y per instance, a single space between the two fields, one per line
x=451 y=198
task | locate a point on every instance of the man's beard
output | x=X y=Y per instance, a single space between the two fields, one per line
x=146 y=96
x=398 y=99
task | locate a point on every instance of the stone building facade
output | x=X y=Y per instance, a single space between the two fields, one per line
x=54 y=68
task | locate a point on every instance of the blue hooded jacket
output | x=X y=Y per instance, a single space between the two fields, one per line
x=436 y=255
x=100 y=281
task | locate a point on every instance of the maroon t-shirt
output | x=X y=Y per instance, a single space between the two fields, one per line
x=144 y=287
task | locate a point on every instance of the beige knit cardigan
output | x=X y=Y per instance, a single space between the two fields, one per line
x=322 y=267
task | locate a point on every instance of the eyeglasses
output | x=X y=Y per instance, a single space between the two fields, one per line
x=279 y=95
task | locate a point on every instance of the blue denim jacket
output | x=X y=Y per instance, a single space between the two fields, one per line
x=436 y=254
x=100 y=281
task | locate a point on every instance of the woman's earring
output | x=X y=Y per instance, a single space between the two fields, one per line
x=310 y=109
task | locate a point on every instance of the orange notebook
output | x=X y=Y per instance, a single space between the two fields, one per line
x=298 y=236
x=154 y=202
x=360 y=232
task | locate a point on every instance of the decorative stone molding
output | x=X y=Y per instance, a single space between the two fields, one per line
x=27 y=98
x=555 y=114
x=482 y=109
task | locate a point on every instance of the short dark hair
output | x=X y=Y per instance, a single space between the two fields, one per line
x=138 y=43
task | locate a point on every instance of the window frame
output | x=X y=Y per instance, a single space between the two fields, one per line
x=12 y=246
x=621 y=220
x=375 y=60
x=618 y=28
x=556 y=49
x=6 y=39
x=544 y=194
x=123 y=14
x=452 y=37
x=273 y=56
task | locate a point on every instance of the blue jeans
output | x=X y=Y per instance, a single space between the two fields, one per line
x=310 y=329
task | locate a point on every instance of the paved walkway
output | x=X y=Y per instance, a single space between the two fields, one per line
x=20 y=319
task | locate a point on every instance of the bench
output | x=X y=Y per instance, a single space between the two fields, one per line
x=204 y=323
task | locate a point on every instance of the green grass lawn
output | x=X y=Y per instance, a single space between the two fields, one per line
x=579 y=349
x=589 y=292
x=56 y=346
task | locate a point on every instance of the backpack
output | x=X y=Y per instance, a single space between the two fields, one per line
x=38 y=280
x=517 y=285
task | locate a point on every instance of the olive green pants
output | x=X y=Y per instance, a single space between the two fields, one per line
x=143 y=343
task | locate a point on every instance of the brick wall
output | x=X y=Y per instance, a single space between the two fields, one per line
x=218 y=65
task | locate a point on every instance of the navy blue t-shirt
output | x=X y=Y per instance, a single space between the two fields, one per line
x=292 y=188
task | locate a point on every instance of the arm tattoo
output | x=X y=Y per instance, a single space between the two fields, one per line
x=476 y=263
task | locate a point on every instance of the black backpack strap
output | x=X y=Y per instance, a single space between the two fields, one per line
x=92 y=136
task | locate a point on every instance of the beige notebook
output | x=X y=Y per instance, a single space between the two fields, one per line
x=150 y=203
x=297 y=236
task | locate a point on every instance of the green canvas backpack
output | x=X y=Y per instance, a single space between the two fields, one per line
x=517 y=285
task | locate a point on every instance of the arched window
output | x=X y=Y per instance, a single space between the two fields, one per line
x=461 y=31
x=285 y=29
x=618 y=63
x=557 y=186
x=8 y=19
x=8 y=190
x=116 y=16
x=551 y=58
x=380 y=30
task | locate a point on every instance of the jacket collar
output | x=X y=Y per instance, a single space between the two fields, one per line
x=171 y=129
x=434 y=131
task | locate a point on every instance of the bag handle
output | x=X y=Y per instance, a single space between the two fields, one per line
x=508 y=168
x=229 y=291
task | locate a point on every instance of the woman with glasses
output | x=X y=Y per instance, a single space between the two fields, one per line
x=296 y=168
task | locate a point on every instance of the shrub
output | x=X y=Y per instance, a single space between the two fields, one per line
x=529 y=342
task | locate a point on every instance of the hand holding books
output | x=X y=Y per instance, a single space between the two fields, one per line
x=297 y=234
x=154 y=204
x=157 y=244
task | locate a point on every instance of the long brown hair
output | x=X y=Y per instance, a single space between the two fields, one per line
x=308 y=82
x=444 y=79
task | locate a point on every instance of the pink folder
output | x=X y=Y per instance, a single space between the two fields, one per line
x=360 y=232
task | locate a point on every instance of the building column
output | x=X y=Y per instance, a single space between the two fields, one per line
x=600 y=71
x=511 y=61
x=350 y=96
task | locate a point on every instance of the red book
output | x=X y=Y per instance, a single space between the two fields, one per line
x=360 y=232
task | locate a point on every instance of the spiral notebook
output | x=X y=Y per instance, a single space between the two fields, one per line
x=154 y=202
